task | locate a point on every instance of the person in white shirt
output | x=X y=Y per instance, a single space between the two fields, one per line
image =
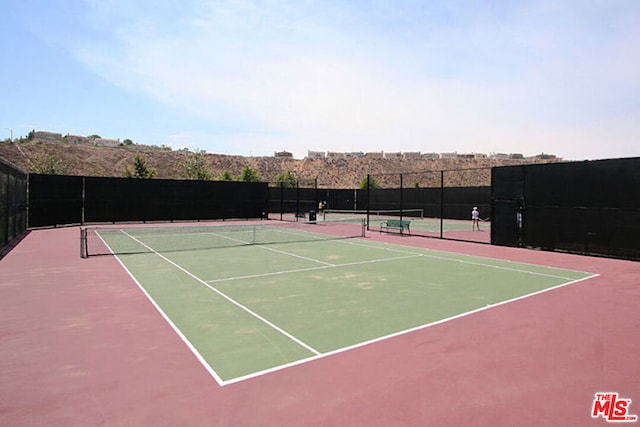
x=475 y=219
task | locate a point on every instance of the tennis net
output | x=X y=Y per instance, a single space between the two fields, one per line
x=120 y=240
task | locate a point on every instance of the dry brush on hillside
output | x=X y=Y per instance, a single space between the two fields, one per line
x=330 y=172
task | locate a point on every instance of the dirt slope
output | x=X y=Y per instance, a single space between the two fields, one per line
x=330 y=173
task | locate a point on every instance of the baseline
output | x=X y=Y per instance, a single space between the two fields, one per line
x=399 y=333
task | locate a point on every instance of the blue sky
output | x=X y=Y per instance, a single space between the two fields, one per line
x=254 y=77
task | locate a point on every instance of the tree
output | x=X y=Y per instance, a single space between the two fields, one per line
x=225 y=176
x=195 y=167
x=48 y=164
x=139 y=168
x=127 y=142
x=94 y=136
x=286 y=179
x=249 y=174
x=373 y=184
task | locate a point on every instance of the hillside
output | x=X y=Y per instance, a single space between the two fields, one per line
x=330 y=173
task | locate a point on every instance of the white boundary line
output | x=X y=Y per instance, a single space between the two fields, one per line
x=399 y=333
x=267 y=248
x=300 y=270
x=390 y=247
x=318 y=355
x=228 y=298
x=386 y=246
x=184 y=339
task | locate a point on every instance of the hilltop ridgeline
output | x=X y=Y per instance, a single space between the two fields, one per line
x=329 y=172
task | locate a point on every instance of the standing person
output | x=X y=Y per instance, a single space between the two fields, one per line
x=475 y=219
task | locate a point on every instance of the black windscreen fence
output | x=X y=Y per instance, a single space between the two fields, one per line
x=507 y=198
x=341 y=199
x=294 y=201
x=590 y=207
x=54 y=200
x=126 y=199
x=13 y=204
x=60 y=199
x=431 y=203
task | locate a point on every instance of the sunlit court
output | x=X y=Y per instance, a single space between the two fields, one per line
x=252 y=298
x=181 y=302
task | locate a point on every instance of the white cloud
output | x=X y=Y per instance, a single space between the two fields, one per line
x=294 y=78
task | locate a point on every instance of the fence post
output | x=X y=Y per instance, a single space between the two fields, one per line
x=368 y=198
x=441 y=204
x=401 y=200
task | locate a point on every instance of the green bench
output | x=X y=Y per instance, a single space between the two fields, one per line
x=395 y=224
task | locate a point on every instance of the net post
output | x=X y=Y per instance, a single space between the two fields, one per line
x=83 y=242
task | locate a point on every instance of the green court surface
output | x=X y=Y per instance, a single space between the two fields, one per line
x=248 y=309
x=418 y=223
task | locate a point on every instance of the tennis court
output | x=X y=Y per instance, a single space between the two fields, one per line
x=381 y=330
x=232 y=320
x=250 y=299
x=419 y=224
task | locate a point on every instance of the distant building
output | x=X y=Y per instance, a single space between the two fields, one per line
x=47 y=136
x=355 y=154
x=283 y=155
x=336 y=155
x=76 y=139
x=316 y=154
x=544 y=156
x=409 y=155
